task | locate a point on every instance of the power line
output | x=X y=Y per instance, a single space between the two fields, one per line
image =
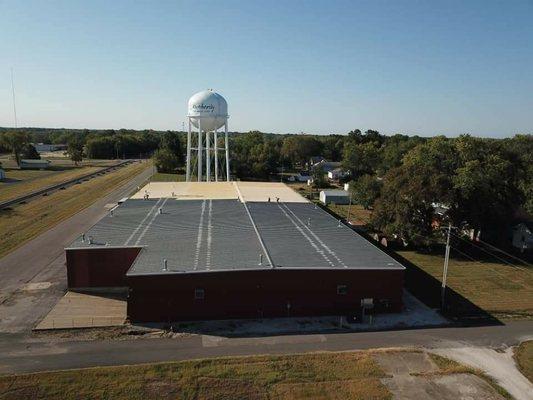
x=488 y=252
x=484 y=265
x=504 y=252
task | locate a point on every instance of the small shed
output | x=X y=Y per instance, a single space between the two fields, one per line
x=334 y=196
x=34 y=164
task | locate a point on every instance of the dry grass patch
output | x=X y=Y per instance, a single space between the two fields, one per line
x=524 y=359
x=27 y=221
x=447 y=367
x=318 y=376
x=32 y=180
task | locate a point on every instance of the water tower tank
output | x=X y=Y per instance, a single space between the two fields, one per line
x=211 y=107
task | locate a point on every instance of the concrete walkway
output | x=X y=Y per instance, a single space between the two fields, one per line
x=499 y=365
x=82 y=310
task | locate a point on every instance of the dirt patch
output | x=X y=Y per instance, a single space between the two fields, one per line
x=405 y=363
x=445 y=387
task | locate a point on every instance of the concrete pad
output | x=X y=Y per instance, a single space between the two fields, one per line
x=405 y=363
x=261 y=191
x=498 y=365
x=81 y=310
x=445 y=387
x=188 y=190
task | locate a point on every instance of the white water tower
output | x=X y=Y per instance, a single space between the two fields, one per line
x=208 y=112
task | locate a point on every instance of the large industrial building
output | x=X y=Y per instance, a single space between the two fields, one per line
x=199 y=250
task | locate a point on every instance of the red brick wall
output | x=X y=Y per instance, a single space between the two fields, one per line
x=99 y=267
x=252 y=294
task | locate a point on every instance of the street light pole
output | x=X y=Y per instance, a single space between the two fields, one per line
x=445 y=269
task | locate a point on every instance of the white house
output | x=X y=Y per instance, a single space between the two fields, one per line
x=337 y=173
x=300 y=177
x=523 y=236
x=327 y=166
x=334 y=196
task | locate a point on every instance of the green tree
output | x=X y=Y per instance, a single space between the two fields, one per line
x=172 y=142
x=165 y=161
x=29 y=152
x=300 y=148
x=15 y=141
x=75 y=148
x=365 y=190
x=361 y=158
x=319 y=178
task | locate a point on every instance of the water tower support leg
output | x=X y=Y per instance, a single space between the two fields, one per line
x=215 y=145
x=227 y=149
x=200 y=150
x=207 y=156
x=188 y=170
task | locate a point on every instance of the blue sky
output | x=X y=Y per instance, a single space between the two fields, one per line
x=414 y=67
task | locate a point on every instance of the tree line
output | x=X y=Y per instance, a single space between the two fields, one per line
x=481 y=183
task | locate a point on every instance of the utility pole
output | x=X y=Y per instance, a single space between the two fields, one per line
x=445 y=269
x=349 y=207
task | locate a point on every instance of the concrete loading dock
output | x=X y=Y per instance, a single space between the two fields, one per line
x=232 y=258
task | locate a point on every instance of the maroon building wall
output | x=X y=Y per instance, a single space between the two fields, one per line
x=99 y=267
x=256 y=294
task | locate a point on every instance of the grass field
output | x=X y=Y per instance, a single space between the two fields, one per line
x=317 y=376
x=524 y=359
x=21 y=182
x=26 y=221
x=162 y=177
x=498 y=288
x=346 y=376
x=357 y=214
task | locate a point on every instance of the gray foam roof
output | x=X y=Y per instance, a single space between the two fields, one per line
x=214 y=235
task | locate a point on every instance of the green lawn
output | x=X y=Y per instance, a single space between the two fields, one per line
x=317 y=376
x=524 y=359
x=355 y=213
x=162 y=177
x=500 y=289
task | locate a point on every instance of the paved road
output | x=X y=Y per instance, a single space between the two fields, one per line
x=23 y=354
x=42 y=261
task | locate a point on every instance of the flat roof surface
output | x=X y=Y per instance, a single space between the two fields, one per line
x=224 y=235
x=245 y=191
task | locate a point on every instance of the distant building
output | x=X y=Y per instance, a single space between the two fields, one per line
x=337 y=173
x=523 y=236
x=315 y=160
x=300 y=177
x=45 y=148
x=327 y=166
x=334 y=196
x=34 y=164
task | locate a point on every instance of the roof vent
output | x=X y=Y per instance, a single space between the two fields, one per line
x=165 y=265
